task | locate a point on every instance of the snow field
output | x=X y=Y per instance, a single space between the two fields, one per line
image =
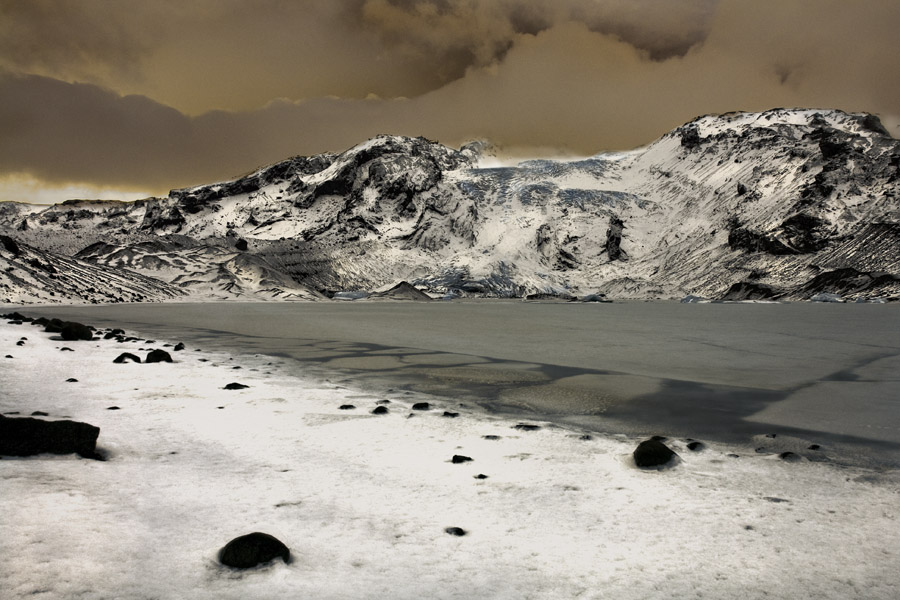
x=363 y=500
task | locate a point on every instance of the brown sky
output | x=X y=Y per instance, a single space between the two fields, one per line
x=145 y=96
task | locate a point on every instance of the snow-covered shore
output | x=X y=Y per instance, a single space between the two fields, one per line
x=363 y=500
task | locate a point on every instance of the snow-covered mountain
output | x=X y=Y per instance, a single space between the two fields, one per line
x=785 y=203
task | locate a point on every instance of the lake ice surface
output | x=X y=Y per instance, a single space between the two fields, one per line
x=818 y=373
x=363 y=500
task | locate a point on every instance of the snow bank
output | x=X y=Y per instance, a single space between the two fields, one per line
x=363 y=501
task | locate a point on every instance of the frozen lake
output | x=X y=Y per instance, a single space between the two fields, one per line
x=735 y=373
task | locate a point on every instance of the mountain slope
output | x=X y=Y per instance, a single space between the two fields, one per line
x=790 y=202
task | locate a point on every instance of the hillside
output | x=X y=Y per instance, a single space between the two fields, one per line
x=786 y=204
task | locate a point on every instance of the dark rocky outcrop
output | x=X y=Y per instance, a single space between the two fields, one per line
x=653 y=453
x=749 y=290
x=236 y=386
x=380 y=410
x=614 y=239
x=155 y=356
x=27 y=437
x=248 y=551
x=421 y=406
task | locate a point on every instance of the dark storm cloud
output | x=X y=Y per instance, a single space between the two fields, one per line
x=181 y=93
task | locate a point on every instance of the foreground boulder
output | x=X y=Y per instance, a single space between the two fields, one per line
x=253 y=549
x=27 y=437
x=652 y=453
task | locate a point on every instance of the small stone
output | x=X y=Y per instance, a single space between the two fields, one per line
x=491 y=437
x=71 y=380
x=380 y=410
x=450 y=415
x=458 y=458
x=253 y=549
x=236 y=386
x=178 y=347
x=652 y=453
x=789 y=457
x=20 y=343
x=696 y=446
x=156 y=356
x=39 y=413
x=481 y=476
x=421 y=406
x=126 y=356
x=527 y=427
x=383 y=402
x=113 y=408
x=814 y=447
x=346 y=407
x=457 y=531
x=66 y=349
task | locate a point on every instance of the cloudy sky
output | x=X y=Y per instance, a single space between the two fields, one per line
x=128 y=98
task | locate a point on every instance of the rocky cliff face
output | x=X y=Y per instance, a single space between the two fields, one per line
x=791 y=201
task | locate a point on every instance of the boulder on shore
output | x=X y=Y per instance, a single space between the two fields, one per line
x=652 y=453
x=253 y=549
x=26 y=437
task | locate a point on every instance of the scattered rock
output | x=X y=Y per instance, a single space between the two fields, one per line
x=178 y=347
x=450 y=415
x=380 y=410
x=421 y=406
x=457 y=531
x=125 y=357
x=459 y=458
x=383 y=402
x=72 y=331
x=71 y=380
x=696 y=446
x=491 y=437
x=481 y=476
x=526 y=427
x=652 y=453
x=111 y=334
x=236 y=386
x=66 y=349
x=20 y=343
x=775 y=500
x=253 y=549
x=790 y=457
x=814 y=447
x=113 y=408
x=155 y=356
x=27 y=437
x=39 y=413
x=346 y=407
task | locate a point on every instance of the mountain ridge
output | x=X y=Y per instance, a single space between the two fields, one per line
x=776 y=199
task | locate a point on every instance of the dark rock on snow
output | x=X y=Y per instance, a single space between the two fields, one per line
x=125 y=357
x=526 y=427
x=155 y=356
x=450 y=415
x=380 y=410
x=27 y=437
x=457 y=531
x=236 y=386
x=72 y=331
x=652 y=453
x=789 y=457
x=696 y=446
x=178 y=347
x=346 y=407
x=458 y=458
x=253 y=549
x=71 y=380
x=39 y=413
x=421 y=406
